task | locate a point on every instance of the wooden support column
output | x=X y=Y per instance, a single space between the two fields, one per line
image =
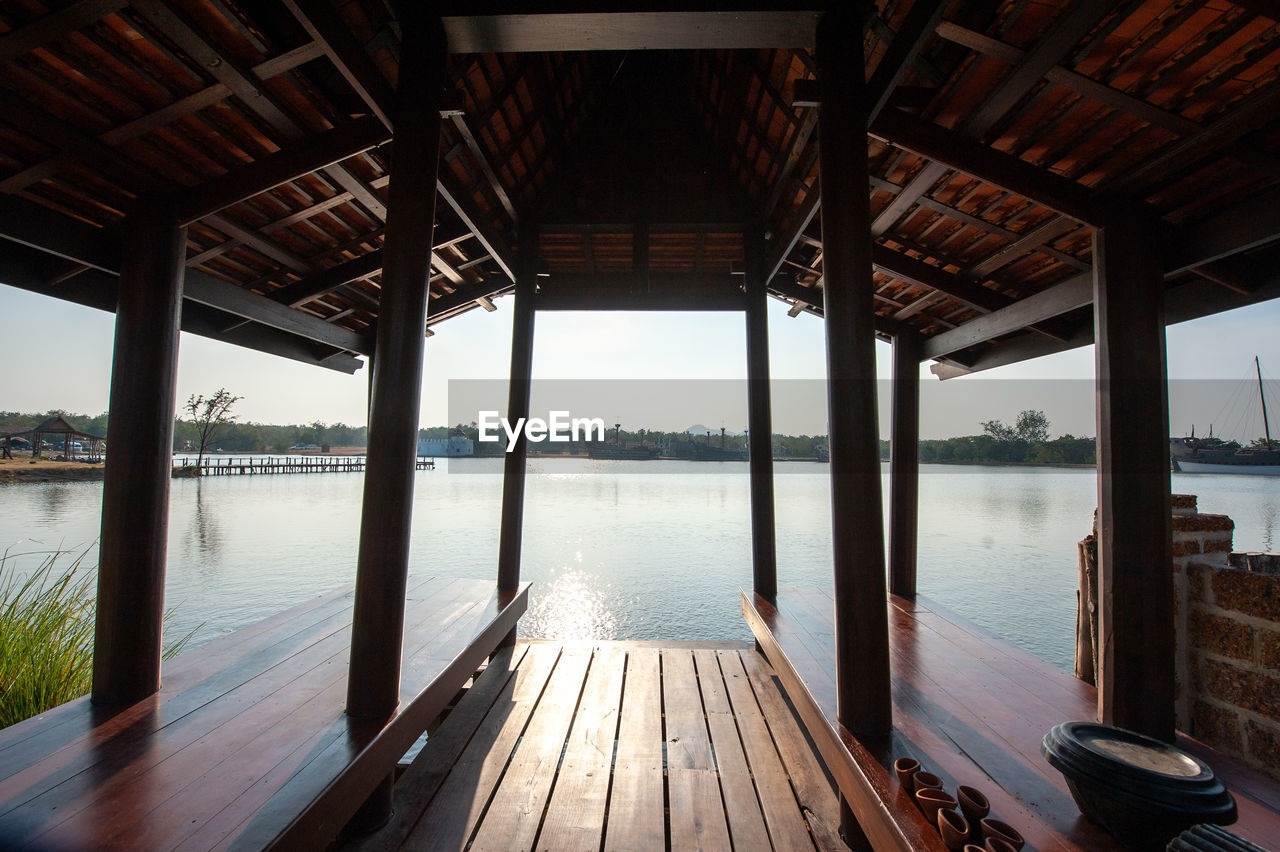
x=377 y=631
x=1135 y=578
x=904 y=464
x=764 y=561
x=861 y=621
x=513 y=472
x=135 y=495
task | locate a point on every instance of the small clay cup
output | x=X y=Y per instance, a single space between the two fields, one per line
x=932 y=800
x=954 y=829
x=973 y=847
x=998 y=830
x=996 y=844
x=924 y=779
x=973 y=804
x=905 y=767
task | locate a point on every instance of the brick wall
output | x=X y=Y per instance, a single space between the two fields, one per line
x=1228 y=639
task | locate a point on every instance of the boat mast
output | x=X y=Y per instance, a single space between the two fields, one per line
x=1265 y=425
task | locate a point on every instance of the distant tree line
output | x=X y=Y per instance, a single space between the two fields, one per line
x=1026 y=441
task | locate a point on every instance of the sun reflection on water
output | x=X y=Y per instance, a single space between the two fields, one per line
x=573 y=605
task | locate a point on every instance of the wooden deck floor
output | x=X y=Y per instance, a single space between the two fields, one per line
x=247 y=743
x=617 y=745
x=970 y=708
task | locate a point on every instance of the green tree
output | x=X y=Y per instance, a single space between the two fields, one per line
x=209 y=416
x=1032 y=426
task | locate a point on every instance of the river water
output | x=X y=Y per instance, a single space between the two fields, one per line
x=627 y=550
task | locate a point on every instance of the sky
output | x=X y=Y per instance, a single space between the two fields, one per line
x=652 y=370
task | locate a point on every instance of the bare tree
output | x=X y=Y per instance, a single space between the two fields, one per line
x=209 y=415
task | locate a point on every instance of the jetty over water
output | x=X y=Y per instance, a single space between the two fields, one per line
x=976 y=183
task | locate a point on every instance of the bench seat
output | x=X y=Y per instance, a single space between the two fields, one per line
x=246 y=745
x=972 y=709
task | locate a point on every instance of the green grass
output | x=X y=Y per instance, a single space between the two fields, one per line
x=46 y=633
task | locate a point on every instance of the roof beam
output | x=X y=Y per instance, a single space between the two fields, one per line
x=468 y=296
x=473 y=145
x=328 y=280
x=243 y=85
x=1057 y=300
x=670 y=29
x=909 y=268
x=55 y=25
x=313 y=154
x=455 y=196
x=916 y=29
x=323 y=23
x=1246 y=226
x=275 y=329
x=810 y=300
x=943 y=146
x=786 y=242
x=41 y=228
x=192 y=103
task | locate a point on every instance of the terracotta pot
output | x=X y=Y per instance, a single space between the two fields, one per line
x=924 y=779
x=905 y=767
x=932 y=800
x=973 y=804
x=954 y=829
x=994 y=828
x=996 y=844
x=973 y=847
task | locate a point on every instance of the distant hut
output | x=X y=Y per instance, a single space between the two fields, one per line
x=73 y=441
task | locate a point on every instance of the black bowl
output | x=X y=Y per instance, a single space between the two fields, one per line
x=1141 y=790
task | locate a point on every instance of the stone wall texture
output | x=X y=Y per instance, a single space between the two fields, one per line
x=1228 y=641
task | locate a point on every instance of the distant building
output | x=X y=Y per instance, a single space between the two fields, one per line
x=457 y=444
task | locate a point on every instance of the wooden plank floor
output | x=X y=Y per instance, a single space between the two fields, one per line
x=245 y=734
x=620 y=746
x=969 y=707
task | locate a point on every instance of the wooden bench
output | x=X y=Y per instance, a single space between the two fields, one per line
x=971 y=709
x=246 y=745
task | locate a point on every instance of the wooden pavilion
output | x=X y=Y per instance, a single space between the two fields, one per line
x=53 y=427
x=323 y=180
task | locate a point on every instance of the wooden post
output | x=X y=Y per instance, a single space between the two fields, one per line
x=1135 y=579
x=764 y=560
x=135 y=495
x=377 y=631
x=861 y=621
x=904 y=464
x=513 y=472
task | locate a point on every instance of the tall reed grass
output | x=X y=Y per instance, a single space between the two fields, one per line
x=46 y=633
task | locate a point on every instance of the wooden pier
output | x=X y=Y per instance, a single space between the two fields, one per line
x=256 y=465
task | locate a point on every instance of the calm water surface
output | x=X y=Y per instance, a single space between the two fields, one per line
x=634 y=550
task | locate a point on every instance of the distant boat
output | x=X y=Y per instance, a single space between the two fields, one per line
x=617 y=451
x=1192 y=455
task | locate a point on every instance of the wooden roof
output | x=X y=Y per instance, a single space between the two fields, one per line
x=1002 y=132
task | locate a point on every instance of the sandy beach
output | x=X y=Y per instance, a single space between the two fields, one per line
x=27 y=469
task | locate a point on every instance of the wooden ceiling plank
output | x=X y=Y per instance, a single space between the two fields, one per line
x=1258 y=111
x=666 y=30
x=67 y=137
x=290 y=163
x=328 y=280
x=786 y=242
x=242 y=84
x=162 y=117
x=323 y=23
x=1059 y=299
x=1249 y=225
x=473 y=145
x=55 y=25
x=918 y=272
x=258 y=243
x=456 y=197
x=941 y=145
x=1034 y=239
x=906 y=45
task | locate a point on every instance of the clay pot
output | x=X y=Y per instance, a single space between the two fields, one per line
x=932 y=800
x=905 y=767
x=924 y=779
x=995 y=829
x=973 y=804
x=995 y=844
x=954 y=829
x=973 y=847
